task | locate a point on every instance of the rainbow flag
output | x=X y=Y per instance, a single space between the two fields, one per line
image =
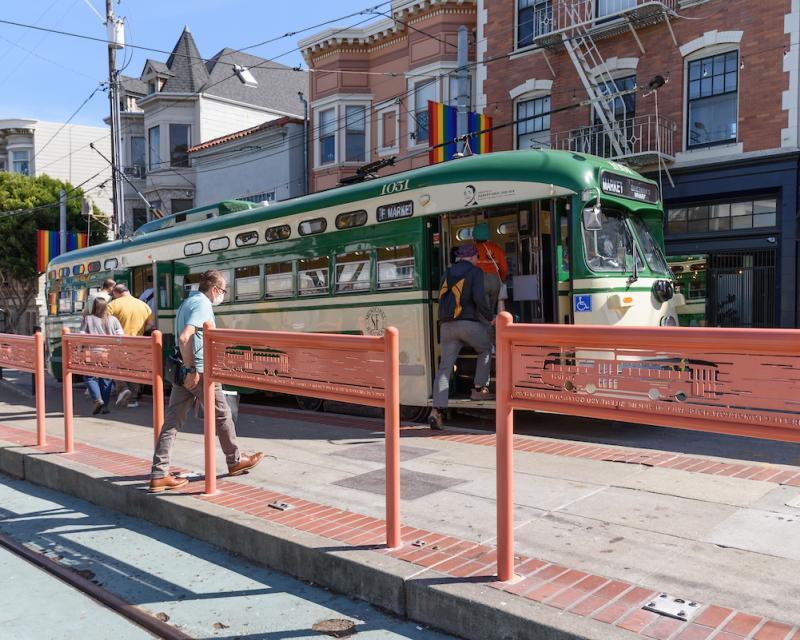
x=49 y=246
x=442 y=130
x=478 y=122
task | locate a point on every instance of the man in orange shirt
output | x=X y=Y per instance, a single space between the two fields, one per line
x=492 y=261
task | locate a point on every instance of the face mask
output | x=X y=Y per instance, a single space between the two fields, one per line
x=218 y=300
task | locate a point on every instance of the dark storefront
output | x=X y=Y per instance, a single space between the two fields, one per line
x=731 y=239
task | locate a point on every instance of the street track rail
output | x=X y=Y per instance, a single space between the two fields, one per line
x=116 y=604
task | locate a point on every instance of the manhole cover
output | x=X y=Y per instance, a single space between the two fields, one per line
x=336 y=628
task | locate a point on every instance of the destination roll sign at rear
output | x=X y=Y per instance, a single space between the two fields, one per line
x=625 y=187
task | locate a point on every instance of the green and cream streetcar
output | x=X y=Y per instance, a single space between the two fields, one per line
x=582 y=236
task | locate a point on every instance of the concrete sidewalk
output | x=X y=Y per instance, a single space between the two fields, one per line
x=601 y=530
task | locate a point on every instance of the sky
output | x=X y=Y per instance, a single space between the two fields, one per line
x=47 y=76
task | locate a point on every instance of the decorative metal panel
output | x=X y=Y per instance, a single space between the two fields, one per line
x=724 y=384
x=121 y=358
x=354 y=375
x=17 y=352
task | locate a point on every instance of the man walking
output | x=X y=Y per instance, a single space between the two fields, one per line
x=136 y=318
x=462 y=305
x=104 y=294
x=196 y=310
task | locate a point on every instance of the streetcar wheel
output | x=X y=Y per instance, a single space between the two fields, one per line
x=410 y=413
x=309 y=404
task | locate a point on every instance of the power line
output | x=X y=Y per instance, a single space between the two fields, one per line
x=61 y=128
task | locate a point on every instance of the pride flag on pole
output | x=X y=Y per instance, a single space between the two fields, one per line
x=442 y=131
x=49 y=246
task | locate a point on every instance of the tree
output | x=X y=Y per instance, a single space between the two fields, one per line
x=18 y=275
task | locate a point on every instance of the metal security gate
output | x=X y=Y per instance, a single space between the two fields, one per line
x=742 y=289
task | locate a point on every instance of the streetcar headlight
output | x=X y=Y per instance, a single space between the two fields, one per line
x=669 y=321
x=662 y=290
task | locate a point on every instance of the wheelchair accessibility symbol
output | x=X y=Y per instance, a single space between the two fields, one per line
x=583 y=303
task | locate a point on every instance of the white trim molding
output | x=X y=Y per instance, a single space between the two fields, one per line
x=710 y=39
x=791 y=66
x=614 y=65
x=395 y=148
x=531 y=86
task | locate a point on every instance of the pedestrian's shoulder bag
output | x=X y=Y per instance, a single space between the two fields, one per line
x=174 y=371
x=503 y=295
x=450 y=300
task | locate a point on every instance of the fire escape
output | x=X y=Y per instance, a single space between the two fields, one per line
x=576 y=24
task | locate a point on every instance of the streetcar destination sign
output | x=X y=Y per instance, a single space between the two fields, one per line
x=395 y=211
x=625 y=187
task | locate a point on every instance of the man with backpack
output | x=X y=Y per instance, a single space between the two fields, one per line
x=462 y=312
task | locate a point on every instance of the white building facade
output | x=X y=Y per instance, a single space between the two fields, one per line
x=36 y=147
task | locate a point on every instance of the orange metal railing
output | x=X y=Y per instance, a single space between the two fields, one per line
x=736 y=381
x=347 y=368
x=26 y=353
x=129 y=358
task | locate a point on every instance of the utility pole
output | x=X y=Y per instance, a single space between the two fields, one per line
x=62 y=221
x=115 y=41
x=462 y=75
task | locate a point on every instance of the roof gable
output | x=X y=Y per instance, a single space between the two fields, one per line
x=189 y=73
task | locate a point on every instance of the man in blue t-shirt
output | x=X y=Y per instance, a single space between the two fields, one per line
x=196 y=310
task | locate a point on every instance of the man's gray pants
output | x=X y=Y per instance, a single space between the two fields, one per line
x=180 y=403
x=491 y=285
x=454 y=335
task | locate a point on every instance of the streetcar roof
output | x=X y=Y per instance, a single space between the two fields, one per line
x=570 y=171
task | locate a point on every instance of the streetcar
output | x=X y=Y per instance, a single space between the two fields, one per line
x=583 y=237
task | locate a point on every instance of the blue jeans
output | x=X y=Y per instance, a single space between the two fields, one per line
x=99 y=388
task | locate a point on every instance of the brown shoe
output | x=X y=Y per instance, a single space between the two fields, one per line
x=436 y=420
x=245 y=463
x=166 y=483
x=481 y=393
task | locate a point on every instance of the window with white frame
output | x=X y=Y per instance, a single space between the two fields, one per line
x=179 y=139
x=327 y=136
x=534 y=19
x=713 y=88
x=154 y=146
x=423 y=92
x=355 y=146
x=388 y=123
x=21 y=162
x=138 y=156
x=533 y=123
x=607 y=7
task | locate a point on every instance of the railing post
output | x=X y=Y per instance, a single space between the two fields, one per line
x=209 y=411
x=69 y=445
x=158 y=384
x=505 y=452
x=41 y=434
x=392 y=427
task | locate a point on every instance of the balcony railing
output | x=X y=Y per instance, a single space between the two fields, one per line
x=642 y=138
x=551 y=19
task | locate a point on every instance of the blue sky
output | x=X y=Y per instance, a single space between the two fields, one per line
x=47 y=76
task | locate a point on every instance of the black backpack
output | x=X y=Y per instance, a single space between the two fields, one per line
x=450 y=299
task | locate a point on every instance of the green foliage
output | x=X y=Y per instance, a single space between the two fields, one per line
x=18 y=231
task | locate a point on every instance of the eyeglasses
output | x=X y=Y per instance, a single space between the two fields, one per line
x=224 y=291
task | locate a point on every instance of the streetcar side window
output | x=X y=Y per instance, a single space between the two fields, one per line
x=247 y=283
x=191 y=282
x=279 y=279
x=65 y=302
x=353 y=272
x=78 y=299
x=396 y=267
x=310 y=227
x=312 y=276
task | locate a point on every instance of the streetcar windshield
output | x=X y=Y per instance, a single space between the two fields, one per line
x=652 y=252
x=610 y=248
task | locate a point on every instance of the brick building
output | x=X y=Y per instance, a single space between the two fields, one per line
x=370 y=86
x=724 y=141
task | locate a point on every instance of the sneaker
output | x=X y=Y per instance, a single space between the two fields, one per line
x=481 y=393
x=123 y=396
x=245 y=463
x=98 y=407
x=436 y=420
x=167 y=483
x=133 y=404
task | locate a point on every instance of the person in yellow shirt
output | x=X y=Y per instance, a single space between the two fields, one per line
x=136 y=317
